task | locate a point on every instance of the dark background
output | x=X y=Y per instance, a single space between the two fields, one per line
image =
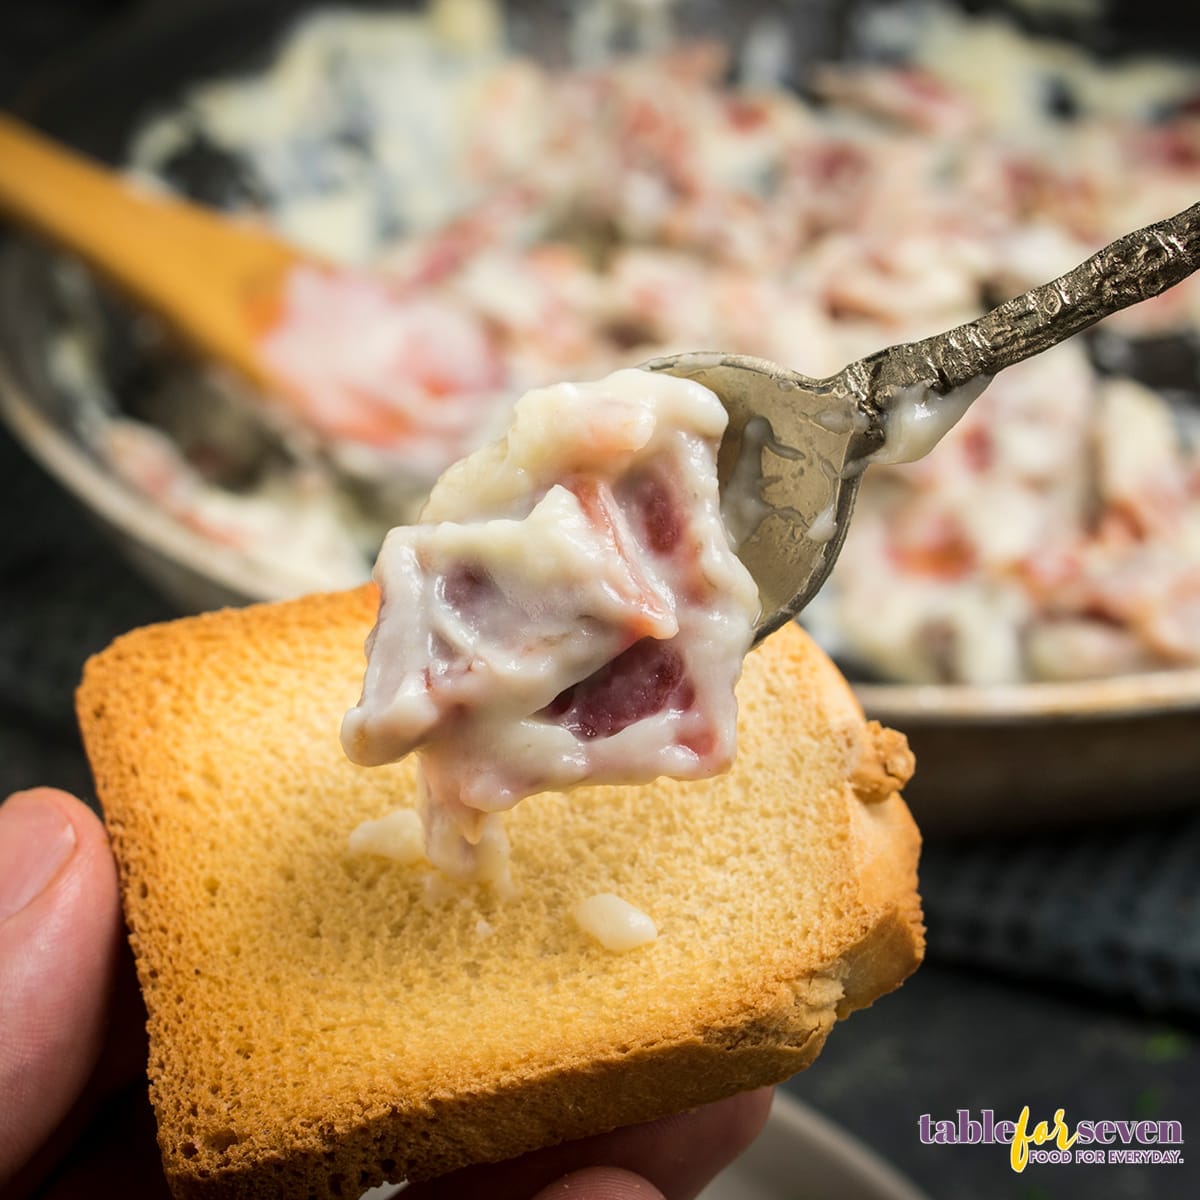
x=1064 y=971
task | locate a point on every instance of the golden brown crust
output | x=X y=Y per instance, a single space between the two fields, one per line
x=885 y=766
x=320 y=1022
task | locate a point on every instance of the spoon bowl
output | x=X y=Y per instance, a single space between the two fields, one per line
x=789 y=471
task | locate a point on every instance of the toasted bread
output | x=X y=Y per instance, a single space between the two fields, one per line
x=321 y=1022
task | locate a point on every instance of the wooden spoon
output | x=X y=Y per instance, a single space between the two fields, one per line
x=217 y=282
x=226 y=287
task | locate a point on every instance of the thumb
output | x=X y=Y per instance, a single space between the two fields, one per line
x=60 y=928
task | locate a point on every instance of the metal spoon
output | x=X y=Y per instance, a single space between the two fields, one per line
x=795 y=448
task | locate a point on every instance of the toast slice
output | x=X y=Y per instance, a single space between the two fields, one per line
x=320 y=1022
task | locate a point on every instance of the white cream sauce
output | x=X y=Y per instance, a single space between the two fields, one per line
x=569 y=610
x=397 y=835
x=742 y=505
x=615 y=923
x=916 y=418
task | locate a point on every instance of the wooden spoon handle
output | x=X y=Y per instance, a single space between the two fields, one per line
x=1134 y=268
x=215 y=281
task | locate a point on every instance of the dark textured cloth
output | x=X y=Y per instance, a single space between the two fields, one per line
x=1113 y=910
x=33 y=33
x=64 y=594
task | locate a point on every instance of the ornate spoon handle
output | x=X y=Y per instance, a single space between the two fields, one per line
x=1132 y=269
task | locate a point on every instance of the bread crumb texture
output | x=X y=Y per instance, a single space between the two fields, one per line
x=321 y=1022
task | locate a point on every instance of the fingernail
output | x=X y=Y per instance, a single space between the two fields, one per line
x=35 y=840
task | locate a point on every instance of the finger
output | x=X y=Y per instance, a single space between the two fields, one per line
x=600 y=1183
x=678 y=1155
x=121 y=1068
x=60 y=944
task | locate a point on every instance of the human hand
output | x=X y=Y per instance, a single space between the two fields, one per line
x=75 y=1119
